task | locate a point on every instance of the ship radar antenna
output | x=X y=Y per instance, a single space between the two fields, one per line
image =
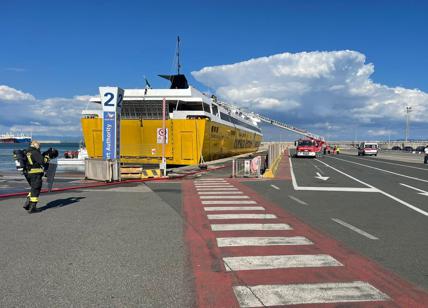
x=178 y=55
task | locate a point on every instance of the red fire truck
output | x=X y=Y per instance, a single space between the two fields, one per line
x=308 y=147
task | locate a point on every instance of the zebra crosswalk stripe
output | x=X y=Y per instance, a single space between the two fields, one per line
x=220 y=192
x=262 y=241
x=245 y=227
x=224 y=197
x=241 y=216
x=316 y=293
x=233 y=208
x=228 y=202
x=278 y=261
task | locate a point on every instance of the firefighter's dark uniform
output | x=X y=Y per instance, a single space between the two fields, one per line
x=36 y=165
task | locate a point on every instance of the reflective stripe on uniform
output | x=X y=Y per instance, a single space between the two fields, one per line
x=30 y=161
x=36 y=170
x=34 y=199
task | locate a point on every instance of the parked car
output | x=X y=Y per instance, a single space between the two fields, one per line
x=368 y=148
x=408 y=149
x=420 y=149
x=396 y=148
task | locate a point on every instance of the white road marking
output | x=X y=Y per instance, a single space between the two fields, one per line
x=276 y=187
x=297 y=200
x=219 y=192
x=241 y=216
x=234 y=208
x=224 y=197
x=278 y=261
x=210 y=182
x=213 y=185
x=312 y=188
x=384 y=193
x=209 y=179
x=247 y=227
x=215 y=188
x=355 y=229
x=383 y=170
x=229 y=202
x=421 y=192
x=389 y=163
x=314 y=293
x=262 y=241
x=324 y=178
x=318 y=168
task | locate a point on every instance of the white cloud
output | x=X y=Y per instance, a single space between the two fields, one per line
x=11 y=94
x=311 y=88
x=381 y=132
x=58 y=117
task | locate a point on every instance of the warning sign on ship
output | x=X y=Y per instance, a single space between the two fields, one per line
x=161 y=135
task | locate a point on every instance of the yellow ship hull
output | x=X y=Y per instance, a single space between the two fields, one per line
x=189 y=140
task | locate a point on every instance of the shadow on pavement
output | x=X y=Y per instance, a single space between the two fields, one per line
x=61 y=203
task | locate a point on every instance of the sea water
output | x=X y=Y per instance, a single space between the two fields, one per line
x=7 y=163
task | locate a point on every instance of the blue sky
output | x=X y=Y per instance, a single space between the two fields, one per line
x=66 y=49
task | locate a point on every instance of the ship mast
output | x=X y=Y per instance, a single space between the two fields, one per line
x=178 y=55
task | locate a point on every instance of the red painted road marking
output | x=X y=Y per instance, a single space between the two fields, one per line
x=214 y=285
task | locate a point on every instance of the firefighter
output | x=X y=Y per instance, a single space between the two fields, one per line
x=426 y=155
x=36 y=166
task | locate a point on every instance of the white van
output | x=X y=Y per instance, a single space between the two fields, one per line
x=368 y=148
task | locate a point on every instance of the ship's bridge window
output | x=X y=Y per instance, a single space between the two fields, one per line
x=189 y=106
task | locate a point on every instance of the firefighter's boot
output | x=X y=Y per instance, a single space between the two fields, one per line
x=32 y=208
x=27 y=203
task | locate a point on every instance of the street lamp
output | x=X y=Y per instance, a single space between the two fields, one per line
x=408 y=110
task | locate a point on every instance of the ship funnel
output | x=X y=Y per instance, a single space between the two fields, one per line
x=178 y=81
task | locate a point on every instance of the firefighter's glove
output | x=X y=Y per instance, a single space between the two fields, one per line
x=51 y=153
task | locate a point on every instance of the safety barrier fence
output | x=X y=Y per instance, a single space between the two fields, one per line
x=102 y=170
x=244 y=167
x=274 y=155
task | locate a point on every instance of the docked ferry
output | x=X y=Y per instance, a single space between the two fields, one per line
x=14 y=138
x=198 y=126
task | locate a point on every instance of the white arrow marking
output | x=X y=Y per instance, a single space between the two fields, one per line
x=422 y=192
x=319 y=176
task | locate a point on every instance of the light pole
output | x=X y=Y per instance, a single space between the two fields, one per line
x=408 y=110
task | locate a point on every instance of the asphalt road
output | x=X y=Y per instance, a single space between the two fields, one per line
x=124 y=246
x=376 y=207
x=119 y=246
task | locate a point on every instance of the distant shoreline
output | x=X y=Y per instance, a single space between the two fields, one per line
x=50 y=141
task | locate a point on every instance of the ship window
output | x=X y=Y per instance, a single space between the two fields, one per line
x=225 y=117
x=189 y=106
x=144 y=109
x=215 y=109
x=239 y=122
x=206 y=107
